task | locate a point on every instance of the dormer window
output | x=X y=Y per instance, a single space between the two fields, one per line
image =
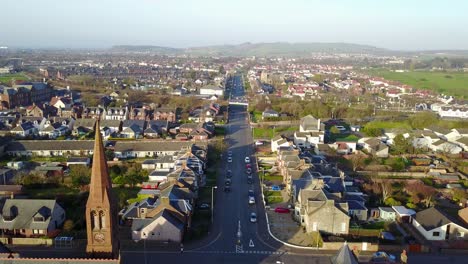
x=39 y=218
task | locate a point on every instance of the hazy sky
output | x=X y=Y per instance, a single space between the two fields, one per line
x=394 y=24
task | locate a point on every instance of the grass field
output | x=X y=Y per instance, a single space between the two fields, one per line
x=450 y=83
x=6 y=78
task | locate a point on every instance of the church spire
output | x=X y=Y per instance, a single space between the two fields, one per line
x=101 y=211
x=100 y=181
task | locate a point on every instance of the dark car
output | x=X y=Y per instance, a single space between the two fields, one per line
x=204 y=206
x=248 y=171
x=227 y=188
x=229 y=173
x=227 y=182
x=251 y=193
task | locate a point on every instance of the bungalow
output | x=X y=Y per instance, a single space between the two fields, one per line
x=31 y=218
x=24 y=130
x=83 y=126
x=50 y=148
x=435 y=225
x=387 y=214
x=141 y=149
x=374 y=146
x=269 y=113
x=403 y=214
x=132 y=128
x=445 y=147
x=211 y=90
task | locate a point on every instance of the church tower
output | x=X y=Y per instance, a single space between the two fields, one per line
x=101 y=211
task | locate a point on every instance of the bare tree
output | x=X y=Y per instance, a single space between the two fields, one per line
x=357 y=160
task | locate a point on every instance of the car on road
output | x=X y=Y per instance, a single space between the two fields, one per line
x=248 y=165
x=249 y=179
x=227 y=182
x=229 y=173
x=247 y=160
x=227 y=188
x=251 y=200
x=229 y=159
x=282 y=210
x=253 y=217
x=251 y=193
x=275 y=188
x=229 y=153
x=204 y=206
x=248 y=171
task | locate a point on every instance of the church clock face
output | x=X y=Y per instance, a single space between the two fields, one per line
x=99 y=237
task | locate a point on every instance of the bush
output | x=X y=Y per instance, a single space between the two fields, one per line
x=392 y=202
x=411 y=205
x=68 y=225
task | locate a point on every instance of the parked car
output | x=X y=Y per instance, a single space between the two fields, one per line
x=227 y=188
x=275 y=188
x=204 y=206
x=282 y=210
x=229 y=173
x=253 y=217
x=247 y=160
x=251 y=193
x=229 y=153
x=248 y=171
x=227 y=182
x=251 y=200
x=248 y=165
x=229 y=159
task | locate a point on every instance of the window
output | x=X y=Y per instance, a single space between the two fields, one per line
x=460 y=234
x=314 y=226
x=435 y=234
x=343 y=227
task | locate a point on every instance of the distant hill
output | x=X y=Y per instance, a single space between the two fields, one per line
x=283 y=49
x=258 y=49
x=145 y=49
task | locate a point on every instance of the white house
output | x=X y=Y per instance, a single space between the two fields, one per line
x=387 y=214
x=434 y=225
x=278 y=142
x=211 y=90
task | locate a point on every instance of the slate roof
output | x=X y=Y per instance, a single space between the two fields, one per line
x=138 y=224
x=36 y=145
x=25 y=210
x=334 y=184
x=431 y=218
x=354 y=205
x=344 y=256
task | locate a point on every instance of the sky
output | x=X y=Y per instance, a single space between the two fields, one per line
x=392 y=24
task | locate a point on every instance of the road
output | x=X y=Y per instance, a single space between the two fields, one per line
x=254 y=245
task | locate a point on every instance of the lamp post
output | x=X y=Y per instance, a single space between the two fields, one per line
x=212 y=192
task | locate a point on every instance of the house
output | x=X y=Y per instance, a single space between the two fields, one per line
x=462 y=143
x=83 y=126
x=49 y=148
x=115 y=113
x=435 y=225
x=156 y=128
x=164 y=113
x=357 y=210
x=141 y=149
x=269 y=113
x=84 y=161
x=31 y=218
x=160 y=224
x=374 y=146
x=319 y=213
x=445 y=147
x=132 y=128
x=403 y=214
x=211 y=90
x=278 y=142
x=114 y=126
x=387 y=214
x=309 y=124
x=24 y=129
x=463 y=215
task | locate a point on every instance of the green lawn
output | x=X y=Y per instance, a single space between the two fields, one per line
x=442 y=82
x=262 y=132
x=349 y=138
x=6 y=78
x=269 y=177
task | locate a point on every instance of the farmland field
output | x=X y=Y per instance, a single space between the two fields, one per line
x=451 y=83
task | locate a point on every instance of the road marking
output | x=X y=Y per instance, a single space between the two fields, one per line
x=251 y=243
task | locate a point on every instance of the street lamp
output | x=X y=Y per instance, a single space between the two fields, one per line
x=212 y=191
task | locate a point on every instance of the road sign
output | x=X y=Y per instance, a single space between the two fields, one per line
x=251 y=244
